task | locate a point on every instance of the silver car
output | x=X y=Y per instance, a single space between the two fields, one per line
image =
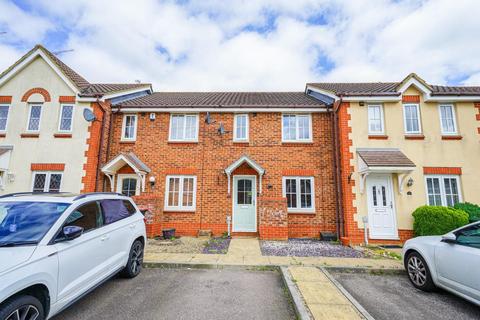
x=450 y=262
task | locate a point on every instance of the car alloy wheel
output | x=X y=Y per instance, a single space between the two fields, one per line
x=26 y=312
x=417 y=271
x=137 y=257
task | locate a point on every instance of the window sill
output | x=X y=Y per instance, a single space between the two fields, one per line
x=170 y=210
x=296 y=143
x=3 y=135
x=300 y=212
x=377 y=137
x=127 y=141
x=62 y=135
x=414 y=137
x=183 y=142
x=30 y=135
x=241 y=141
x=452 y=137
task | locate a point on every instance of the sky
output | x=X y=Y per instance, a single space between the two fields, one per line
x=255 y=45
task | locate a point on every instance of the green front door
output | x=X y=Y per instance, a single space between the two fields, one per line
x=244 y=204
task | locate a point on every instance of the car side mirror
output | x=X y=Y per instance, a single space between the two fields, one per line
x=71 y=232
x=449 y=238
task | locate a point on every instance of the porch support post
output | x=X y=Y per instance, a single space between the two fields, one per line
x=401 y=179
x=363 y=177
x=111 y=178
x=142 y=179
x=260 y=183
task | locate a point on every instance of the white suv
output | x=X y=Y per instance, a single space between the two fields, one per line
x=55 y=248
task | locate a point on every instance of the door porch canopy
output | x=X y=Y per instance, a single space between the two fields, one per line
x=383 y=160
x=245 y=159
x=111 y=168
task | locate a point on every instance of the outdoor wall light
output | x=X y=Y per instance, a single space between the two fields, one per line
x=410 y=182
x=152 y=181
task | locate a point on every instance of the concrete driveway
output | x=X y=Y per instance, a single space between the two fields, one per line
x=187 y=294
x=393 y=297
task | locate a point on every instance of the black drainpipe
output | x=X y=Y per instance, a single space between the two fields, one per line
x=338 y=170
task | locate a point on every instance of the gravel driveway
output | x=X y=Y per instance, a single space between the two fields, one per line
x=307 y=248
x=187 y=294
x=392 y=297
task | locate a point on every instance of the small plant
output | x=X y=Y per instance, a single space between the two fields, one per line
x=473 y=210
x=436 y=220
x=225 y=235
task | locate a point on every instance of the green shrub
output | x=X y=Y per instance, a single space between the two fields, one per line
x=436 y=220
x=472 y=209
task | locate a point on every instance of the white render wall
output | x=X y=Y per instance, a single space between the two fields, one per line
x=46 y=148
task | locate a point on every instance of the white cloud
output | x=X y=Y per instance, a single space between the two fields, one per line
x=262 y=45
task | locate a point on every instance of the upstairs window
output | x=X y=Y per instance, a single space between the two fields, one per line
x=129 y=127
x=47 y=181
x=443 y=190
x=3 y=117
x=240 y=127
x=375 y=119
x=411 y=115
x=447 y=119
x=296 y=128
x=184 y=127
x=181 y=193
x=34 y=117
x=299 y=194
x=66 y=118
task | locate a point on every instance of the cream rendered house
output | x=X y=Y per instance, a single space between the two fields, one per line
x=46 y=144
x=402 y=145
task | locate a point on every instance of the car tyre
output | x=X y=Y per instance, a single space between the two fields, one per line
x=418 y=272
x=22 y=307
x=135 y=260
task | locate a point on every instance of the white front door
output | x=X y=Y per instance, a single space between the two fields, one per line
x=244 y=204
x=382 y=222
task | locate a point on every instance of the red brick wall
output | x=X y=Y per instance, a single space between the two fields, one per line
x=208 y=159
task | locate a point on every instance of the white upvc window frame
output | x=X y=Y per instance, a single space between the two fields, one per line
x=180 y=207
x=122 y=176
x=297 y=132
x=8 y=117
x=299 y=209
x=60 y=117
x=124 y=124
x=195 y=139
x=46 y=187
x=30 y=106
x=235 y=126
x=454 y=118
x=382 y=121
x=417 y=106
x=443 y=194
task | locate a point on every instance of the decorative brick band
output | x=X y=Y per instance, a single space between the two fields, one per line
x=298 y=172
x=5 y=99
x=442 y=170
x=452 y=137
x=47 y=166
x=181 y=171
x=410 y=99
x=66 y=99
x=477 y=116
x=41 y=91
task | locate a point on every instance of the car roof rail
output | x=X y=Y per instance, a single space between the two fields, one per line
x=16 y=194
x=89 y=194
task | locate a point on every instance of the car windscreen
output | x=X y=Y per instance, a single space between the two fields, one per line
x=27 y=222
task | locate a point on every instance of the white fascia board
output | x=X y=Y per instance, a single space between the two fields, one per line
x=29 y=59
x=429 y=98
x=220 y=110
x=324 y=92
x=412 y=81
x=114 y=95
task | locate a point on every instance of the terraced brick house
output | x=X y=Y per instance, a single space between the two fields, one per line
x=402 y=145
x=45 y=142
x=262 y=159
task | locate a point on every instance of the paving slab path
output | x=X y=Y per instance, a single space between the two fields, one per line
x=321 y=295
x=246 y=252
